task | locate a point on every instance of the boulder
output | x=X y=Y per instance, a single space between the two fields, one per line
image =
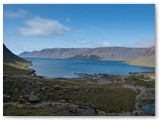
x=57 y=87
x=28 y=103
x=26 y=95
x=33 y=97
x=61 y=100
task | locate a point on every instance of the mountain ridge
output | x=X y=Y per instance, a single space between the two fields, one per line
x=9 y=57
x=101 y=53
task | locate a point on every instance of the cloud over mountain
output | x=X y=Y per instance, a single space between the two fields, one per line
x=43 y=27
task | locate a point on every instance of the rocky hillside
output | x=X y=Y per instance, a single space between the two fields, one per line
x=107 y=53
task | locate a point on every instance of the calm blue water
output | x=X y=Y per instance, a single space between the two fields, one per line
x=52 y=68
x=148 y=108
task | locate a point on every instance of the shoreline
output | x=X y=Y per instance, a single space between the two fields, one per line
x=139 y=65
x=33 y=73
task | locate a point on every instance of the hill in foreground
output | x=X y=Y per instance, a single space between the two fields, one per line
x=13 y=64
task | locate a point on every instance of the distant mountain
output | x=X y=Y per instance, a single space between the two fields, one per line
x=102 y=53
x=147 y=59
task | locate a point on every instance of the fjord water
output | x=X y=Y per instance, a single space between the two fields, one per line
x=66 y=68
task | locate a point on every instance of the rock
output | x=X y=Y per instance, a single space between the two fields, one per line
x=57 y=87
x=21 y=96
x=101 y=113
x=17 y=79
x=64 y=90
x=33 y=97
x=16 y=90
x=32 y=84
x=61 y=100
x=43 y=88
x=26 y=96
x=95 y=109
x=50 y=104
x=135 y=113
x=41 y=84
x=28 y=103
x=87 y=90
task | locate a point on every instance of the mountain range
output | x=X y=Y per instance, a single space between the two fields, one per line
x=134 y=56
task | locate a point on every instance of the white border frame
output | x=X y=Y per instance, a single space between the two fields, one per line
x=80 y=2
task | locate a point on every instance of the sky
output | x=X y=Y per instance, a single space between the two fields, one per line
x=29 y=27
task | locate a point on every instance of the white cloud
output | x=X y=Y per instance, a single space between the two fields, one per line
x=145 y=43
x=104 y=44
x=16 y=14
x=43 y=28
x=67 y=19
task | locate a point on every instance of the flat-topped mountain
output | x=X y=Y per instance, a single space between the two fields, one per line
x=102 y=53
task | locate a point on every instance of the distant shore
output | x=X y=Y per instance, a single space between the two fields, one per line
x=83 y=74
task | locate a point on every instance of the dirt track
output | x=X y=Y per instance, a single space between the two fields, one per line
x=140 y=91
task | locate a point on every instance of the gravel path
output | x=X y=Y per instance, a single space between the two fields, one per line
x=140 y=91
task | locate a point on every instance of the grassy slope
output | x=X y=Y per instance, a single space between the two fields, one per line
x=13 y=64
x=147 y=60
x=108 y=98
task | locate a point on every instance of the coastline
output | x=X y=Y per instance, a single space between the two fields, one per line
x=126 y=62
x=31 y=71
x=141 y=65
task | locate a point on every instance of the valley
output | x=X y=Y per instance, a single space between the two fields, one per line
x=25 y=93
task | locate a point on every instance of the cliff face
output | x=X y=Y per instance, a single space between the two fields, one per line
x=107 y=53
x=104 y=53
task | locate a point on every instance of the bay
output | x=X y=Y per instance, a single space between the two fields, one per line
x=65 y=68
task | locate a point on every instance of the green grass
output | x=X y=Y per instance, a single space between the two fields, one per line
x=16 y=111
x=141 y=81
x=108 y=98
x=11 y=70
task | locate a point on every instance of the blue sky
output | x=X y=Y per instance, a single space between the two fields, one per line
x=35 y=27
